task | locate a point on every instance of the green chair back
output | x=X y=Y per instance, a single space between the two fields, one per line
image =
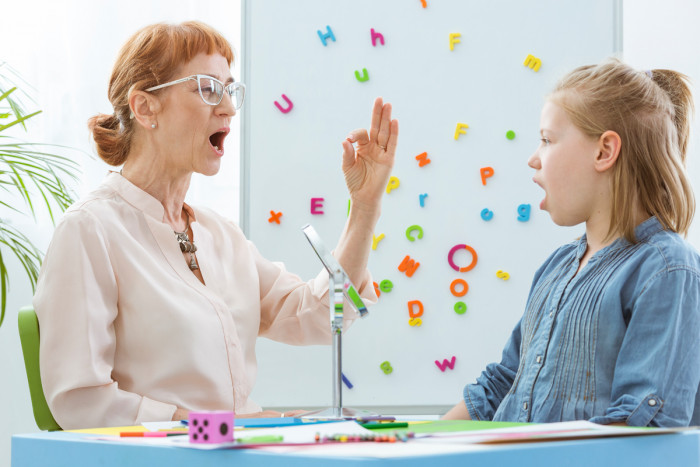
x=29 y=336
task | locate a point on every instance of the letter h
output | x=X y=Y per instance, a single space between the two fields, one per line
x=326 y=36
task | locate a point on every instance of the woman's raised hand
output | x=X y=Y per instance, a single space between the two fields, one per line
x=367 y=166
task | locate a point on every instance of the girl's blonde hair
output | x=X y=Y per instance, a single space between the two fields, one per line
x=651 y=112
x=149 y=58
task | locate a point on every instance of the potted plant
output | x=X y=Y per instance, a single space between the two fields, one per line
x=31 y=175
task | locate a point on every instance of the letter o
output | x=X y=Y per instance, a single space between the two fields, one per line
x=461 y=293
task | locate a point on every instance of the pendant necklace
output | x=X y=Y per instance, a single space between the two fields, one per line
x=185 y=245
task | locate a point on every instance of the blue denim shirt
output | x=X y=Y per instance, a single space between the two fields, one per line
x=617 y=342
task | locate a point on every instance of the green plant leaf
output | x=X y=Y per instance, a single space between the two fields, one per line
x=33 y=171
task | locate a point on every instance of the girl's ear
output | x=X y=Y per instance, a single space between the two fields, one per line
x=608 y=151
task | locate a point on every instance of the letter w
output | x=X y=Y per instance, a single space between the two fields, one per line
x=446 y=364
x=408 y=266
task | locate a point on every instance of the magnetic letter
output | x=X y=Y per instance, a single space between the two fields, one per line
x=346 y=381
x=422 y=159
x=326 y=36
x=461 y=293
x=532 y=62
x=408 y=266
x=422 y=199
x=376 y=240
x=446 y=363
x=415 y=304
x=524 y=212
x=316 y=205
x=386 y=285
x=290 y=106
x=460 y=130
x=502 y=275
x=415 y=321
x=486 y=172
x=486 y=214
x=274 y=217
x=454 y=39
x=375 y=36
x=393 y=184
x=454 y=250
x=362 y=78
x=412 y=229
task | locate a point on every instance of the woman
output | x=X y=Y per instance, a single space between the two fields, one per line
x=149 y=307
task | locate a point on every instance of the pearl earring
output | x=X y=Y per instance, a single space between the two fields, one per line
x=153 y=125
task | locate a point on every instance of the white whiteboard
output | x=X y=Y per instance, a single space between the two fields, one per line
x=289 y=158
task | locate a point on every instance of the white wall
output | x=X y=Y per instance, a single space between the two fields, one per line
x=666 y=35
x=66 y=49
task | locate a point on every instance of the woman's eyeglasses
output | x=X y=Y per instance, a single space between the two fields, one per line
x=211 y=90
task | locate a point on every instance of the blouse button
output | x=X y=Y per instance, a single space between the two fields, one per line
x=652 y=402
x=538 y=359
x=551 y=314
x=524 y=405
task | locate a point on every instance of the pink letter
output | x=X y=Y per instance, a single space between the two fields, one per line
x=290 y=106
x=375 y=36
x=316 y=205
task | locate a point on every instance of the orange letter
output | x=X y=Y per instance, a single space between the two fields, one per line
x=486 y=172
x=408 y=266
x=413 y=303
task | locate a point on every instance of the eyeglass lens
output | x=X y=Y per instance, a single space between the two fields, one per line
x=212 y=91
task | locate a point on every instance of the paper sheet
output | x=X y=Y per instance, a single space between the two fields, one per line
x=541 y=432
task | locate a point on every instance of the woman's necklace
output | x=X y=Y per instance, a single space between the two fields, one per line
x=185 y=245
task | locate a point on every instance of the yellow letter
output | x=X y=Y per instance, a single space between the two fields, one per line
x=393 y=183
x=460 y=131
x=532 y=62
x=454 y=39
x=376 y=240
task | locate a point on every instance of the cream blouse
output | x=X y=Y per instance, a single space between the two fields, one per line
x=129 y=334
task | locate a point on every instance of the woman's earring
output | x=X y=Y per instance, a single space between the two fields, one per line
x=153 y=125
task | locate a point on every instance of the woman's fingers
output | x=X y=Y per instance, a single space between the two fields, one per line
x=376 y=118
x=348 y=154
x=359 y=136
x=384 y=126
x=393 y=136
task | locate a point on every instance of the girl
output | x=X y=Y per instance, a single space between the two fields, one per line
x=611 y=332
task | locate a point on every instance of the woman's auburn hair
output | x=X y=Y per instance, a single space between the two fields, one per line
x=651 y=112
x=148 y=58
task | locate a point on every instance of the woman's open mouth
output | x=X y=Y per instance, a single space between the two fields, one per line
x=216 y=140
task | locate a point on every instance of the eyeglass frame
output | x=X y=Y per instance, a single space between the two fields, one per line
x=236 y=84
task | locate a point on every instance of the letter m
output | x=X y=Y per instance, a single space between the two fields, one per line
x=408 y=266
x=533 y=62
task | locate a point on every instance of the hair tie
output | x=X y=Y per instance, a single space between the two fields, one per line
x=648 y=72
